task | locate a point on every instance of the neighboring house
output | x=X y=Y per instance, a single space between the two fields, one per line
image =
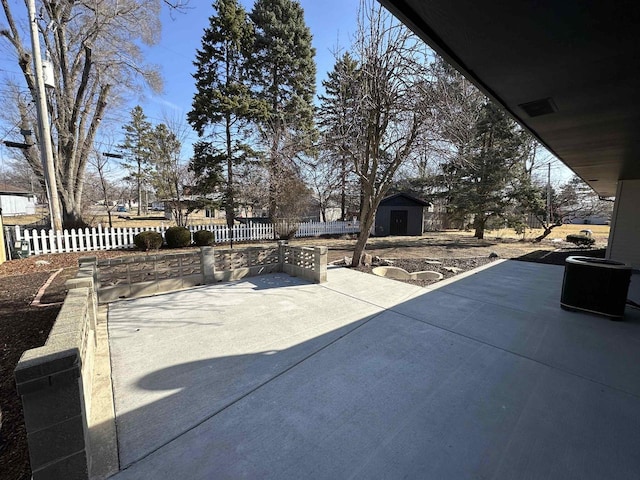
x=589 y=220
x=401 y=214
x=243 y=211
x=435 y=216
x=16 y=201
x=331 y=211
x=185 y=203
x=211 y=212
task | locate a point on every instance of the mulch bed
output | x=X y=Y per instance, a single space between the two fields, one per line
x=22 y=327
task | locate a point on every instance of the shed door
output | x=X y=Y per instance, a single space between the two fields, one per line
x=399 y=220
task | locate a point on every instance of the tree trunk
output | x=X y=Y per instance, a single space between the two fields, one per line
x=230 y=203
x=72 y=220
x=367 y=218
x=343 y=192
x=479 y=226
x=139 y=185
x=361 y=242
x=71 y=214
x=274 y=180
x=545 y=234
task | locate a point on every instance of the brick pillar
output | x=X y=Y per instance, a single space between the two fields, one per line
x=54 y=414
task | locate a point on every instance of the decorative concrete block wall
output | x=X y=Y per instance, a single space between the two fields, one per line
x=223 y=265
x=304 y=262
x=141 y=275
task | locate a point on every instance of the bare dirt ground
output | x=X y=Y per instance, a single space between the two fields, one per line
x=460 y=244
x=23 y=326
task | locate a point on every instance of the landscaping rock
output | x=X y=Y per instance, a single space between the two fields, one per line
x=453 y=270
x=493 y=255
x=381 y=262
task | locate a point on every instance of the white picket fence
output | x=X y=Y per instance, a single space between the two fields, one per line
x=104 y=238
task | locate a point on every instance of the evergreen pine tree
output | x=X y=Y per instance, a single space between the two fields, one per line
x=283 y=73
x=483 y=183
x=223 y=103
x=137 y=150
x=336 y=119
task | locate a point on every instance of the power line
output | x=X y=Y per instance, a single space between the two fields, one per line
x=17 y=125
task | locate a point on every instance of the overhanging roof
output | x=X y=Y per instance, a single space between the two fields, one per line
x=584 y=56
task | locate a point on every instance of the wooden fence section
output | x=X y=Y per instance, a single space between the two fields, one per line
x=98 y=238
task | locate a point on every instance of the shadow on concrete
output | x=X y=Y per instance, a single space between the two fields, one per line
x=485 y=377
x=558 y=258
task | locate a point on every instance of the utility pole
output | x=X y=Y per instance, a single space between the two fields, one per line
x=548 y=193
x=46 y=150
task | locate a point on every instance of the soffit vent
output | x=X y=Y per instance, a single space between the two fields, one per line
x=538 y=108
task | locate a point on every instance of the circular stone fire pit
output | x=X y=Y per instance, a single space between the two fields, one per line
x=398 y=273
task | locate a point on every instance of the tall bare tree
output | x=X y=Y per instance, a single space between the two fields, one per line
x=392 y=108
x=99 y=178
x=94 y=49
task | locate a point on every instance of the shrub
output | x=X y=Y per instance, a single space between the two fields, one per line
x=580 y=240
x=286 y=228
x=148 y=241
x=177 y=237
x=203 y=238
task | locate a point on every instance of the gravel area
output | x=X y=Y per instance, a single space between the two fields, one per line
x=448 y=267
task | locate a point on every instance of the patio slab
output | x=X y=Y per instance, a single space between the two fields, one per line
x=366 y=377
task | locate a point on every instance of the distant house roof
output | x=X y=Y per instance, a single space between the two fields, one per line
x=403 y=199
x=5 y=188
x=186 y=197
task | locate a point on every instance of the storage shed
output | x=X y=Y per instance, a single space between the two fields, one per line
x=16 y=201
x=400 y=214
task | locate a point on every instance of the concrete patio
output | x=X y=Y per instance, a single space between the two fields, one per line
x=366 y=377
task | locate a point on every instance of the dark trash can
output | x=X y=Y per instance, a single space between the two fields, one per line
x=595 y=285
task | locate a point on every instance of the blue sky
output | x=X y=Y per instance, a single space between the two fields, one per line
x=332 y=23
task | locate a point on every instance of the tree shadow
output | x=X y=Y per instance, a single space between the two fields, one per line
x=558 y=258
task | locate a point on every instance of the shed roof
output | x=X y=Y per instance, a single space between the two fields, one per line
x=6 y=188
x=409 y=199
